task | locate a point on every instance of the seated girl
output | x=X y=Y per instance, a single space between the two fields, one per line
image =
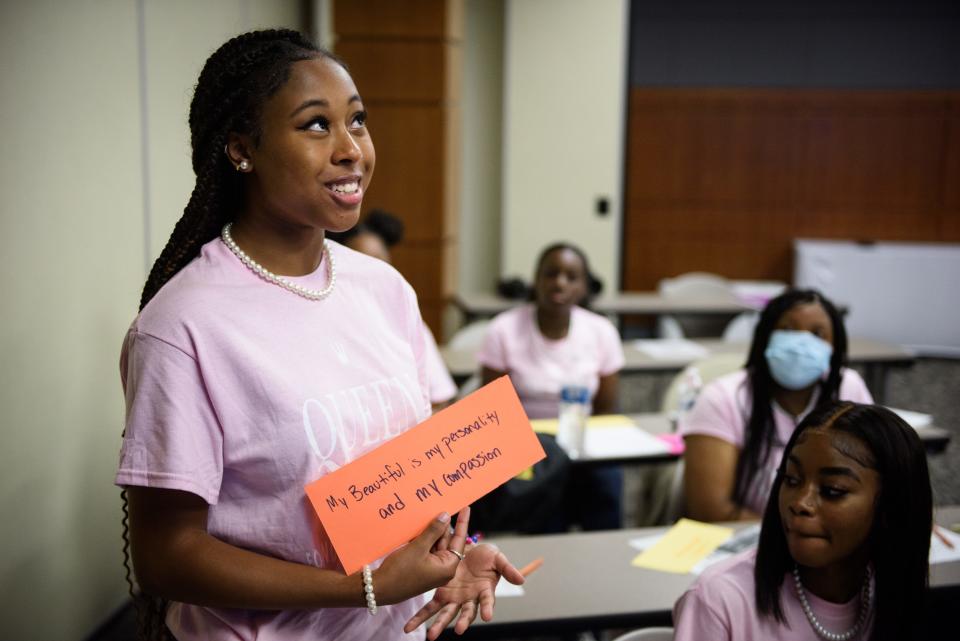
x=844 y=543
x=553 y=342
x=737 y=428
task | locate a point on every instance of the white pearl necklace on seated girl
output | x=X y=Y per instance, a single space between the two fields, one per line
x=269 y=276
x=866 y=601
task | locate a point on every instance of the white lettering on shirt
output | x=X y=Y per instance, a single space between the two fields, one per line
x=359 y=417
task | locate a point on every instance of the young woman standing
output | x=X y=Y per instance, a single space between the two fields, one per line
x=264 y=358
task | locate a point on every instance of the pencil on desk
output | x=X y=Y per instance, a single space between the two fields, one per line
x=940 y=535
x=529 y=568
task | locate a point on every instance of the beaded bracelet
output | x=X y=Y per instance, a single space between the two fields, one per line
x=368 y=590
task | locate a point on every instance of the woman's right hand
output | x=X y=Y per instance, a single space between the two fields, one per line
x=424 y=563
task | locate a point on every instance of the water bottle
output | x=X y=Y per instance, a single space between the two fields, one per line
x=687 y=393
x=572 y=424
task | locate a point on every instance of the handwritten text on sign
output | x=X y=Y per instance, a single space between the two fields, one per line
x=387 y=497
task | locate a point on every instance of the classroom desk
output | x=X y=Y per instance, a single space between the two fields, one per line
x=876 y=357
x=651 y=423
x=586 y=582
x=476 y=306
x=935 y=439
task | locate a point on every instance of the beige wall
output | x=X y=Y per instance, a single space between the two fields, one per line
x=564 y=79
x=482 y=149
x=72 y=257
x=180 y=34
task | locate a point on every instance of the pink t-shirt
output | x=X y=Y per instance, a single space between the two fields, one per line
x=539 y=367
x=242 y=393
x=721 y=606
x=722 y=408
x=442 y=387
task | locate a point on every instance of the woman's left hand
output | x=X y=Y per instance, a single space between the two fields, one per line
x=470 y=591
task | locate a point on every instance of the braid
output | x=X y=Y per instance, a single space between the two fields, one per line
x=233 y=85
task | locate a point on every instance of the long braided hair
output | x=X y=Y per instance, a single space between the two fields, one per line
x=235 y=82
x=760 y=432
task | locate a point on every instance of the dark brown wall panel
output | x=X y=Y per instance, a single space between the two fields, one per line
x=410 y=71
x=707 y=151
x=397 y=18
x=408 y=179
x=883 y=154
x=723 y=180
x=950 y=217
x=404 y=56
x=421 y=263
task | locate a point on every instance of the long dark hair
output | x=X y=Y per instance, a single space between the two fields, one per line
x=760 y=433
x=235 y=82
x=899 y=540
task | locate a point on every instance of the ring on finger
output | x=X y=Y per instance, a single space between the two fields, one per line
x=459 y=554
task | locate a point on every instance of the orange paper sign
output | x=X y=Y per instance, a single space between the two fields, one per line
x=386 y=497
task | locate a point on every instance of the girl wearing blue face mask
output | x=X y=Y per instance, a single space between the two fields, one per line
x=738 y=427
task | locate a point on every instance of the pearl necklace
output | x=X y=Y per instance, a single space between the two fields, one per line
x=269 y=276
x=866 y=599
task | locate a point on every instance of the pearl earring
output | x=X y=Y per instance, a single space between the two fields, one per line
x=243 y=166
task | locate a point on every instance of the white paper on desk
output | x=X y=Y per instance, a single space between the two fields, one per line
x=505 y=589
x=622 y=441
x=641 y=543
x=671 y=349
x=737 y=543
x=756 y=293
x=916 y=420
x=939 y=552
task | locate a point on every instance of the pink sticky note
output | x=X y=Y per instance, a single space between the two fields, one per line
x=674 y=442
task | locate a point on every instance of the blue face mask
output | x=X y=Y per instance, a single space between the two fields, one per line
x=797 y=359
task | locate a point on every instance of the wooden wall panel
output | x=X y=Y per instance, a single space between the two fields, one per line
x=861 y=224
x=950 y=217
x=733 y=258
x=397 y=18
x=405 y=56
x=862 y=154
x=408 y=178
x=407 y=71
x=723 y=180
x=690 y=149
x=418 y=261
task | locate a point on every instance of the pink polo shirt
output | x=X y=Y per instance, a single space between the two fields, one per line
x=722 y=408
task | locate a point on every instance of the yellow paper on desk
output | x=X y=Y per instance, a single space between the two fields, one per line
x=551 y=425
x=683 y=546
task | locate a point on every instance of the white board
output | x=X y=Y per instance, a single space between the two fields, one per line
x=904 y=293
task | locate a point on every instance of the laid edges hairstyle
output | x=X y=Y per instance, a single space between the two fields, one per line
x=900 y=537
